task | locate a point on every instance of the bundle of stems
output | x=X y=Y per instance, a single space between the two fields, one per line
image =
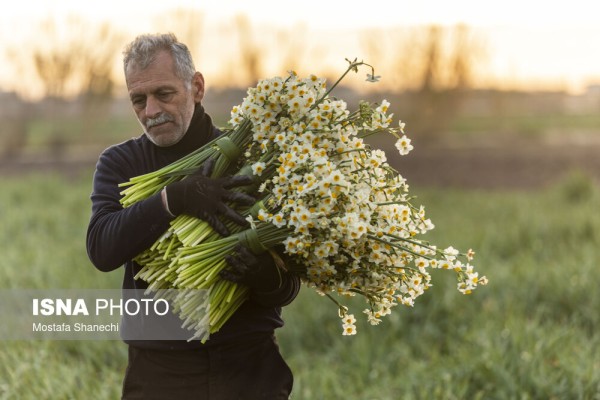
x=161 y=262
x=225 y=149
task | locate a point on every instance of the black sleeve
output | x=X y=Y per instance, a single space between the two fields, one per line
x=116 y=234
x=284 y=294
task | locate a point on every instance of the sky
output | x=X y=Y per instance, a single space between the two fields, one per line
x=543 y=43
x=333 y=13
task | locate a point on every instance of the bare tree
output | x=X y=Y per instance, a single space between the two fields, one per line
x=250 y=52
x=291 y=46
x=75 y=59
x=95 y=66
x=432 y=58
x=463 y=59
x=441 y=67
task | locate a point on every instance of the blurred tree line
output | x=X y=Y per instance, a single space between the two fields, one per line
x=435 y=67
x=79 y=61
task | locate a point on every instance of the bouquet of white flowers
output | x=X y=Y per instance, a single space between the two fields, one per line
x=340 y=211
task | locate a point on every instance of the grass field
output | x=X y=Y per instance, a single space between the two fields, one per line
x=532 y=333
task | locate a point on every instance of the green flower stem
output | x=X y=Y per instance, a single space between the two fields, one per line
x=218 y=248
x=150 y=275
x=343 y=310
x=194 y=232
x=195 y=270
x=143 y=186
x=389 y=203
x=158 y=242
x=235 y=303
x=170 y=247
x=352 y=67
x=218 y=291
x=202 y=276
x=167 y=277
x=418 y=243
x=182 y=222
x=394 y=244
x=223 y=308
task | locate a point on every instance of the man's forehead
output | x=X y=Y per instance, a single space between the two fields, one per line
x=159 y=73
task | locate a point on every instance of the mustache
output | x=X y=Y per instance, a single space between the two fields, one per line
x=161 y=119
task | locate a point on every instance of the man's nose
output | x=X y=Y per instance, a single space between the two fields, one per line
x=153 y=108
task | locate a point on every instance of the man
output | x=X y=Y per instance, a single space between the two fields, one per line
x=242 y=360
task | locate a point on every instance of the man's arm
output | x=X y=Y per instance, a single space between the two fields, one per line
x=116 y=234
x=283 y=295
x=270 y=285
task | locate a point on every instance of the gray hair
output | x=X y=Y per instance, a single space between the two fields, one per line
x=144 y=48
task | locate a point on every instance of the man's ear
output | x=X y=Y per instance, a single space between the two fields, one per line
x=198 y=87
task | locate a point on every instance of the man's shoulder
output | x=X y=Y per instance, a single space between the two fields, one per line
x=125 y=158
x=127 y=147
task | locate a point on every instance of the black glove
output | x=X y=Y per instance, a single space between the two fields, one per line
x=205 y=198
x=257 y=272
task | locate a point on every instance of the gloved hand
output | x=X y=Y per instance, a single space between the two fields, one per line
x=206 y=198
x=257 y=272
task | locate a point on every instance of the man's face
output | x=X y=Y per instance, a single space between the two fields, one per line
x=163 y=103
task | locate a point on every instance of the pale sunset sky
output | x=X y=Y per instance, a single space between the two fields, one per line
x=544 y=44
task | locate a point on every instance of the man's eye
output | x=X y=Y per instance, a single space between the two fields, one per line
x=164 y=95
x=138 y=101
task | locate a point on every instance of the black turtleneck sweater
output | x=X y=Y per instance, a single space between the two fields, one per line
x=116 y=235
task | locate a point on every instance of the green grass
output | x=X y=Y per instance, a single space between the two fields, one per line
x=527 y=125
x=68 y=131
x=532 y=333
